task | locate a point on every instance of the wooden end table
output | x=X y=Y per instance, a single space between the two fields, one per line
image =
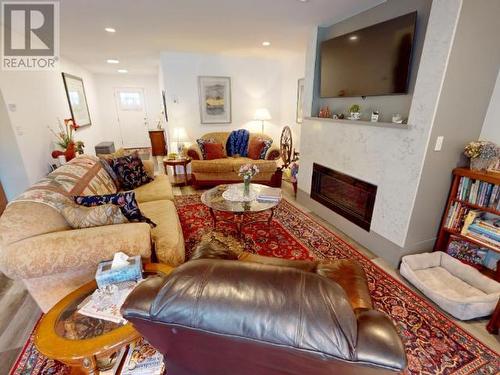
x=178 y=180
x=81 y=342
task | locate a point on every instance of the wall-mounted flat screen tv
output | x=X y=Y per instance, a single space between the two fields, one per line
x=372 y=61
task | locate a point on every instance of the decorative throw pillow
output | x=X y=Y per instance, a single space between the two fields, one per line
x=125 y=200
x=130 y=171
x=201 y=143
x=255 y=148
x=109 y=170
x=86 y=217
x=214 y=151
x=267 y=146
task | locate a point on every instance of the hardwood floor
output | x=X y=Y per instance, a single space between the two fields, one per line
x=19 y=312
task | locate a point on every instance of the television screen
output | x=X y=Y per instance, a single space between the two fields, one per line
x=371 y=61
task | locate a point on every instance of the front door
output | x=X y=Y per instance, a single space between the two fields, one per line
x=132 y=117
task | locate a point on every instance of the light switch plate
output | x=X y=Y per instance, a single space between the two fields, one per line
x=439 y=143
x=12 y=107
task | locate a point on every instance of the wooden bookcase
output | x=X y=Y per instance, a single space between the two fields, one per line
x=445 y=233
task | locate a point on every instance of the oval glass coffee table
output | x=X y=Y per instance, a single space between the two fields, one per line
x=85 y=344
x=240 y=212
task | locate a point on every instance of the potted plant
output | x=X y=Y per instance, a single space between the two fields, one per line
x=354 y=111
x=482 y=154
x=65 y=140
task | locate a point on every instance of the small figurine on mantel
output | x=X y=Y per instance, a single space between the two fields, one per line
x=325 y=112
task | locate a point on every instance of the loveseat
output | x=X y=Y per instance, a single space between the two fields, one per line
x=38 y=246
x=224 y=170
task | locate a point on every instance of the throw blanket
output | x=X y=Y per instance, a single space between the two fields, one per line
x=237 y=143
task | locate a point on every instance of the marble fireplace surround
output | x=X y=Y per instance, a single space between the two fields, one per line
x=391 y=158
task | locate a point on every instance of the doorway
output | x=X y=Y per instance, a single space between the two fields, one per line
x=132 y=117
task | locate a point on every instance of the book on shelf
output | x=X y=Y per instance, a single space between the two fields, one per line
x=143 y=359
x=483 y=227
x=467 y=252
x=456 y=216
x=480 y=193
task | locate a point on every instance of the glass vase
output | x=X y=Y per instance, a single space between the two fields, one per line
x=246 y=186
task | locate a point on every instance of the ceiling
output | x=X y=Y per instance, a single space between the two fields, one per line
x=144 y=28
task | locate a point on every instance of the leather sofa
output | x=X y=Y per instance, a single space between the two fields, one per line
x=206 y=173
x=265 y=316
x=38 y=246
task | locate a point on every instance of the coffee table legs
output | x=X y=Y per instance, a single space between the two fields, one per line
x=238 y=220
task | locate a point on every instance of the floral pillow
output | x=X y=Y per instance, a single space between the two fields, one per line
x=267 y=146
x=86 y=217
x=201 y=143
x=130 y=171
x=125 y=200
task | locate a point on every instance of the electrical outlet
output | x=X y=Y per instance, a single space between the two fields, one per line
x=439 y=143
x=12 y=107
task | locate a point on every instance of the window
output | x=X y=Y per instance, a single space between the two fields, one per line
x=130 y=100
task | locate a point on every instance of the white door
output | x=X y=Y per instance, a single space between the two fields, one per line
x=132 y=117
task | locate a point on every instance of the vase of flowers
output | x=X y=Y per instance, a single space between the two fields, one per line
x=247 y=171
x=65 y=140
x=482 y=154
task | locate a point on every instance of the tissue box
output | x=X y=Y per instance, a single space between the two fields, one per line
x=132 y=272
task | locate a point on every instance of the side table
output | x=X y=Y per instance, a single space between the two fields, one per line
x=178 y=180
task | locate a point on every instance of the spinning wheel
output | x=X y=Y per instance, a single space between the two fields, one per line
x=286 y=144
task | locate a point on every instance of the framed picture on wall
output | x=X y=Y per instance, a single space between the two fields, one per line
x=215 y=100
x=300 y=99
x=75 y=92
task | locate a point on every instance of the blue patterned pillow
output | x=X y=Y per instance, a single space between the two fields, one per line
x=126 y=201
x=201 y=143
x=130 y=171
x=267 y=146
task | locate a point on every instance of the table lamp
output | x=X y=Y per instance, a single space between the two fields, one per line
x=262 y=114
x=180 y=136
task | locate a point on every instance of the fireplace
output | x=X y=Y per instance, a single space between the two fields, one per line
x=348 y=196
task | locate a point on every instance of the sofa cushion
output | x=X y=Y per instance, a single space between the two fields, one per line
x=214 y=151
x=167 y=235
x=130 y=171
x=212 y=166
x=202 y=142
x=158 y=189
x=87 y=217
x=255 y=147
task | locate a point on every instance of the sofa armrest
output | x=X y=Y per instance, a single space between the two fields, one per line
x=194 y=152
x=273 y=153
x=67 y=250
x=378 y=341
x=138 y=303
x=149 y=167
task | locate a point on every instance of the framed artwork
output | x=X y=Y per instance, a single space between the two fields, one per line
x=300 y=99
x=215 y=100
x=75 y=92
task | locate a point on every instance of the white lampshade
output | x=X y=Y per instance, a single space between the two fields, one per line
x=179 y=135
x=262 y=114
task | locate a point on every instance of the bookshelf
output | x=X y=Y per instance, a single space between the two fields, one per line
x=471 y=191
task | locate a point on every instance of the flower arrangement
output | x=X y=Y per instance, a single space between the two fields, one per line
x=247 y=171
x=294 y=171
x=64 y=139
x=482 y=154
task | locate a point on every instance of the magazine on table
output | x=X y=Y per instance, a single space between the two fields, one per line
x=269 y=194
x=143 y=359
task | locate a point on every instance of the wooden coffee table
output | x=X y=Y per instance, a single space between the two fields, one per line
x=83 y=343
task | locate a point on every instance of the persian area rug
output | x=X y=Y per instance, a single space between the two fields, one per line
x=434 y=344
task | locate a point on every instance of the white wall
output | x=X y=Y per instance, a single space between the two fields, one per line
x=491 y=125
x=106 y=85
x=40 y=99
x=255 y=83
x=389 y=158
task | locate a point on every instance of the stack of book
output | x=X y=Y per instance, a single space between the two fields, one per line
x=143 y=359
x=456 y=216
x=482 y=227
x=480 y=193
x=473 y=254
x=269 y=195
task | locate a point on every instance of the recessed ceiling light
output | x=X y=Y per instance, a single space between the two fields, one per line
x=304 y=1
x=112 y=61
x=110 y=30
x=122 y=71
x=266 y=44
x=353 y=37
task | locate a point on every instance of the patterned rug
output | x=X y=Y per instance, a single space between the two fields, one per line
x=434 y=344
